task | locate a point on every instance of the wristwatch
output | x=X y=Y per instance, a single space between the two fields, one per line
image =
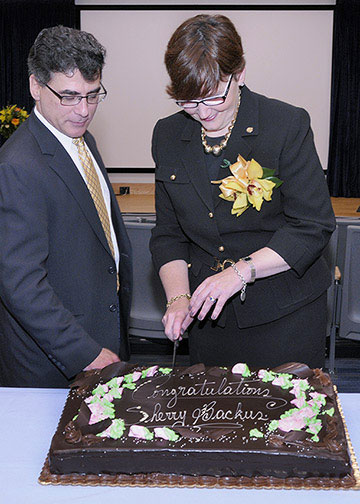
x=249 y=261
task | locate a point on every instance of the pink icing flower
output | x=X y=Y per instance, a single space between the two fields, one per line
x=315 y=427
x=299 y=385
x=299 y=402
x=151 y=371
x=97 y=413
x=318 y=398
x=307 y=412
x=136 y=376
x=293 y=422
x=108 y=397
x=160 y=432
x=242 y=369
x=238 y=368
x=279 y=380
x=140 y=432
x=261 y=373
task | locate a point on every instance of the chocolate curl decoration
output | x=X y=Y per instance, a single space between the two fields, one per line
x=195 y=369
x=296 y=368
x=188 y=433
x=96 y=428
x=82 y=422
x=115 y=369
x=322 y=383
x=83 y=416
x=216 y=371
x=216 y=433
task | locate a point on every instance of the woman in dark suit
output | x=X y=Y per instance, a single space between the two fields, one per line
x=240 y=259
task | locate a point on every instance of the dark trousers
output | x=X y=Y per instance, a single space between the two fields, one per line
x=297 y=337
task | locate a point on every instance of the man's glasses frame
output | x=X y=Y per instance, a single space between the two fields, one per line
x=209 y=102
x=72 y=100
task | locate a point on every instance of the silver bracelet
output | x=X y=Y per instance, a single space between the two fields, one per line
x=243 y=288
x=249 y=261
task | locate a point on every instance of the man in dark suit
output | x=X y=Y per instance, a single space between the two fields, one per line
x=65 y=258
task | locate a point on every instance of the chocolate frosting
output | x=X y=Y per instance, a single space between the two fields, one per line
x=223 y=421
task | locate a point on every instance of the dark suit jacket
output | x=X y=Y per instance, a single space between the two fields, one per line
x=194 y=224
x=58 y=300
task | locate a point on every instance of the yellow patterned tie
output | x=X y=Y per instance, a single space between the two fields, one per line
x=93 y=184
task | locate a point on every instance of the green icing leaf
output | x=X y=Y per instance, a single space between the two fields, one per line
x=289 y=413
x=128 y=378
x=115 y=392
x=149 y=436
x=112 y=383
x=117 y=428
x=246 y=373
x=99 y=390
x=144 y=372
x=273 y=425
x=287 y=381
x=330 y=411
x=268 y=376
x=109 y=412
x=256 y=433
x=130 y=386
x=172 y=435
x=165 y=371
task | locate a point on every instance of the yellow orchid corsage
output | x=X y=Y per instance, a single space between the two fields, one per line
x=249 y=184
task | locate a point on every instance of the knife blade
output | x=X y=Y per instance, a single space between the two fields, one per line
x=176 y=344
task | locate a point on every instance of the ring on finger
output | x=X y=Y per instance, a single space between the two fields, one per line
x=212 y=299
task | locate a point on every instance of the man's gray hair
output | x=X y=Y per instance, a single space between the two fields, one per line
x=62 y=49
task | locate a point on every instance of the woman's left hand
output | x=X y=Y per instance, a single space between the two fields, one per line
x=213 y=292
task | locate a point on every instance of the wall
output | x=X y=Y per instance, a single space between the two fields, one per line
x=288 y=55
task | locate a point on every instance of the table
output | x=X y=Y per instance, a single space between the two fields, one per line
x=141 y=199
x=28 y=421
x=346 y=207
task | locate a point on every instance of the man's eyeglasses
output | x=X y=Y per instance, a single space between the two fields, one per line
x=209 y=102
x=71 y=100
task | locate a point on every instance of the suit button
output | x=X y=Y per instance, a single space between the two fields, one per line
x=112 y=308
x=173 y=177
x=211 y=215
x=111 y=270
x=221 y=248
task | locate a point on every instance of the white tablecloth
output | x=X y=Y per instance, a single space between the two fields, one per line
x=28 y=419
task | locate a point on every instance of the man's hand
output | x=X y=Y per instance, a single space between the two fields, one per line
x=104 y=358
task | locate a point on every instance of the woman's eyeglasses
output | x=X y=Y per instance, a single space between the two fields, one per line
x=209 y=102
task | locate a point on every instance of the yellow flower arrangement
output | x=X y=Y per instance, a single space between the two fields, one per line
x=10 y=119
x=249 y=184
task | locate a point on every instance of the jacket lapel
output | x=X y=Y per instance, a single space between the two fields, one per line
x=194 y=162
x=241 y=142
x=61 y=163
x=244 y=134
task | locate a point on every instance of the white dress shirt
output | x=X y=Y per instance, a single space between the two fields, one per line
x=71 y=149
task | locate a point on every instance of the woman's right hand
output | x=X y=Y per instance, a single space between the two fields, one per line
x=174 y=318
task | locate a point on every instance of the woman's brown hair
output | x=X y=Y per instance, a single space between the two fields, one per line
x=202 y=51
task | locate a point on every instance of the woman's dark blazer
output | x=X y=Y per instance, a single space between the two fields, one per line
x=194 y=224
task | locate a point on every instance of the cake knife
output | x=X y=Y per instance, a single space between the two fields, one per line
x=176 y=344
